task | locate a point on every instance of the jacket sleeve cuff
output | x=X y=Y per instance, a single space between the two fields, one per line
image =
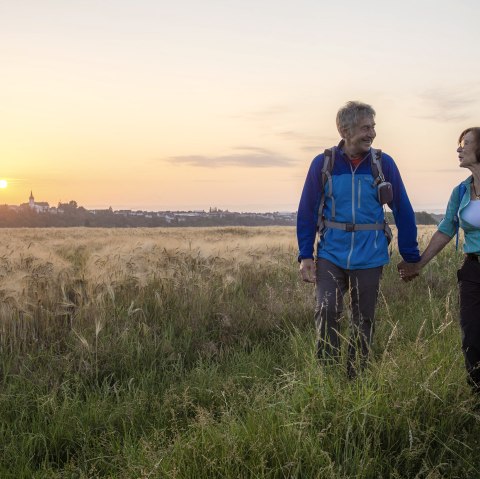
x=300 y=257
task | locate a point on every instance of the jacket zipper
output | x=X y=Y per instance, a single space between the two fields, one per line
x=353 y=217
x=359 y=194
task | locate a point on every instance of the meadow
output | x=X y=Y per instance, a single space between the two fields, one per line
x=189 y=353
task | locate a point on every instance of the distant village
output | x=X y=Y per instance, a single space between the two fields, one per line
x=40 y=213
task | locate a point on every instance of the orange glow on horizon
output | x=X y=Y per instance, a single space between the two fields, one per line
x=191 y=105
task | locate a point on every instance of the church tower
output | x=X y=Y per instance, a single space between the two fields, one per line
x=31 y=200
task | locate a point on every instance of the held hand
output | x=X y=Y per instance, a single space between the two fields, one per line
x=408 y=271
x=307 y=270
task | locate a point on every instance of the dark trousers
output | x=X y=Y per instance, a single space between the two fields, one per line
x=469 y=286
x=332 y=284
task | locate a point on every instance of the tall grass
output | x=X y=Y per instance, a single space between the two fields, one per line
x=189 y=353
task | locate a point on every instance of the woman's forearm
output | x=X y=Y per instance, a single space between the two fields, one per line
x=438 y=241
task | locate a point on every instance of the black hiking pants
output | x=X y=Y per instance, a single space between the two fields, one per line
x=469 y=286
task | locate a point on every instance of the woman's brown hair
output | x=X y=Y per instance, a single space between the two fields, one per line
x=476 y=134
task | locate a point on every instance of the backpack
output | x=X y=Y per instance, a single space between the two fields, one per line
x=384 y=189
x=456 y=220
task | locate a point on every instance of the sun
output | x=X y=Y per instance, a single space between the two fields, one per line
x=3 y=183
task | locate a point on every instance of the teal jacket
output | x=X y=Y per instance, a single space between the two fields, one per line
x=447 y=226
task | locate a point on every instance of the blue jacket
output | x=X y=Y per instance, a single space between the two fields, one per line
x=356 y=201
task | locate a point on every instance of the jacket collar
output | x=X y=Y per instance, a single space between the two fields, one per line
x=340 y=149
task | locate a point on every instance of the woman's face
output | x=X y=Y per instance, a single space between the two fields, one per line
x=466 y=151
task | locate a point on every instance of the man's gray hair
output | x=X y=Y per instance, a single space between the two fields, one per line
x=351 y=113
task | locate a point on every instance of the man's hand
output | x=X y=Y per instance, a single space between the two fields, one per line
x=307 y=270
x=408 y=271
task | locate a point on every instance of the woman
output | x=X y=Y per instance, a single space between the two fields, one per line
x=464 y=210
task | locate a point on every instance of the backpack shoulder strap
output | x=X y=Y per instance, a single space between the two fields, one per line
x=377 y=173
x=462 y=188
x=376 y=164
x=328 y=163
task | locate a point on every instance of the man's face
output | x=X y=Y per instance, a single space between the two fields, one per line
x=359 y=139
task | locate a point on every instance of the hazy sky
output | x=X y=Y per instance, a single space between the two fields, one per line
x=188 y=104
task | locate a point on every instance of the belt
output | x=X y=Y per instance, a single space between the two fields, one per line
x=472 y=257
x=354 y=226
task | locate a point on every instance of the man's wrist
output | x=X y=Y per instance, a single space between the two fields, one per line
x=301 y=258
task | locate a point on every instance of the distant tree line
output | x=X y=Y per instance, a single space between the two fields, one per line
x=421 y=218
x=70 y=214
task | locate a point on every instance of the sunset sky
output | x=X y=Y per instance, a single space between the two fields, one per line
x=185 y=105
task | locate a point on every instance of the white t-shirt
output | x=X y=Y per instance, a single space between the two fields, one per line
x=471 y=213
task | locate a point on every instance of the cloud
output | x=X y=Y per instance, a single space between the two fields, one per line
x=448 y=104
x=247 y=157
x=267 y=113
x=312 y=148
x=309 y=143
x=448 y=170
x=295 y=136
x=300 y=136
x=441 y=171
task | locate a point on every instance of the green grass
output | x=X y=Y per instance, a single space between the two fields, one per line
x=210 y=373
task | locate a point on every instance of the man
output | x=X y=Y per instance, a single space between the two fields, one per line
x=353 y=245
